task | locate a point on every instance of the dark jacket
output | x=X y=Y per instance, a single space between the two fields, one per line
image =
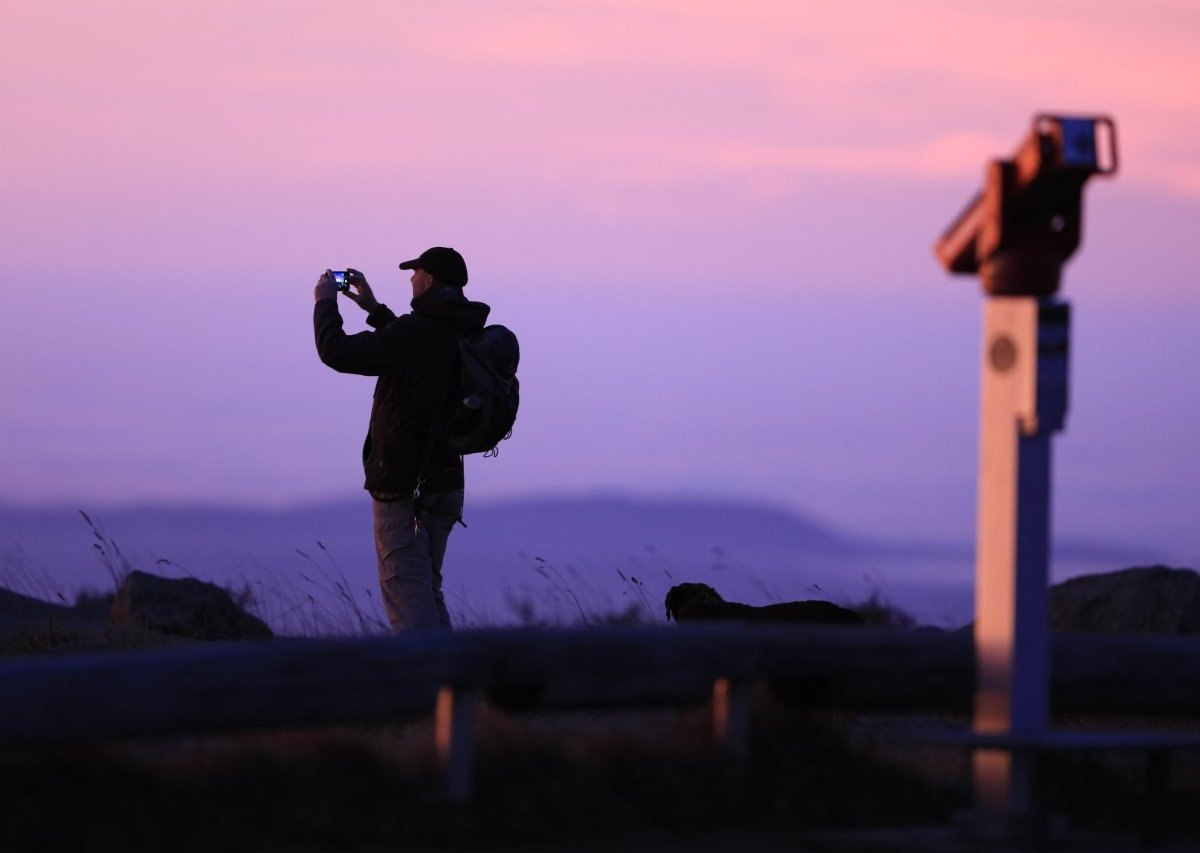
x=412 y=355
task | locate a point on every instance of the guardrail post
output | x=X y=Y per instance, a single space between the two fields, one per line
x=455 y=739
x=731 y=716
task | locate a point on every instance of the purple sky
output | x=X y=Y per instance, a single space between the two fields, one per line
x=709 y=223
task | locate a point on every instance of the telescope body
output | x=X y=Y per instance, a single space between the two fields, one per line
x=1027 y=220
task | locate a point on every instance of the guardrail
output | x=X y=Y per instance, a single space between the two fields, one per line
x=293 y=683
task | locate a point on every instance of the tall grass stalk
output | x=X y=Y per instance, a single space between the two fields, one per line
x=333 y=582
x=552 y=574
x=115 y=563
x=640 y=589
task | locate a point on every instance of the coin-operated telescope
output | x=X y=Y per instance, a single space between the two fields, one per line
x=1016 y=234
x=1026 y=222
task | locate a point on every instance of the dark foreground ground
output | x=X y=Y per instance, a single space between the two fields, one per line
x=622 y=781
x=628 y=780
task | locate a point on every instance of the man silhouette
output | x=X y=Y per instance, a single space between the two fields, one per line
x=416 y=486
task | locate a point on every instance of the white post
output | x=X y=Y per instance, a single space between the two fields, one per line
x=1024 y=401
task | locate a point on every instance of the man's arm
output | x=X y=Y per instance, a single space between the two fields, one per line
x=365 y=353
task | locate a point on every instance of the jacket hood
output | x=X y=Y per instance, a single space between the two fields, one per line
x=448 y=305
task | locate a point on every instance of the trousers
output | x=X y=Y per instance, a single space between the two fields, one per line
x=409 y=550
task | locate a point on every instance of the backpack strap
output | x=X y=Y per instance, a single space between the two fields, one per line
x=441 y=399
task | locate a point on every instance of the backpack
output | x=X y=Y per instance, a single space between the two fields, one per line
x=482 y=393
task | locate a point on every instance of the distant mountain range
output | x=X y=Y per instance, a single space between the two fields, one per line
x=550 y=558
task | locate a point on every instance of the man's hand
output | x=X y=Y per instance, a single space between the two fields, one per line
x=365 y=297
x=326 y=287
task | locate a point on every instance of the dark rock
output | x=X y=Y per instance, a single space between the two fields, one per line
x=183 y=607
x=1153 y=599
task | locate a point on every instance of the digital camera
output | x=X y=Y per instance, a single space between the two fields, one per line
x=339 y=278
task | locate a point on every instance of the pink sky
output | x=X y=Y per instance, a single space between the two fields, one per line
x=710 y=223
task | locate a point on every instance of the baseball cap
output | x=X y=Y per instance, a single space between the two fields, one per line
x=446 y=265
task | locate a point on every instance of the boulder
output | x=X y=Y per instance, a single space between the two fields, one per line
x=183 y=607
x=1152 y=599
